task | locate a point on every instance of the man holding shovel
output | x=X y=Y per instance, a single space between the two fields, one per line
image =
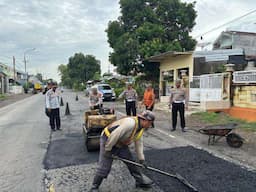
x=115 y=140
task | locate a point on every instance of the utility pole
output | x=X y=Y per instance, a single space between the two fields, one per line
x=14 y=70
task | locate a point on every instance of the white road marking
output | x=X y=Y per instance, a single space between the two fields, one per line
x=163 y=132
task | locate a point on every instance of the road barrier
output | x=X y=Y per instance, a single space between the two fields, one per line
x=67 y=111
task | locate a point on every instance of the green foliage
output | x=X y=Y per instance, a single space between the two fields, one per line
x=79 y=69
x=118 y=85
x=146 y=28
x=2 y=96
x=39 y=76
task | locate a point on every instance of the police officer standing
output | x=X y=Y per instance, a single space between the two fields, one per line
x=53 y=106
x=130 y=96
x=178 y=103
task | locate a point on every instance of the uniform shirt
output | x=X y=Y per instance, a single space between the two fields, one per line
x=179 y=95
x=95 y=99
x=122 y=133
x=129 y=95
x=52 y=99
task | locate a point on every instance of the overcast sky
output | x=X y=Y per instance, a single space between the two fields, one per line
x=60 y=28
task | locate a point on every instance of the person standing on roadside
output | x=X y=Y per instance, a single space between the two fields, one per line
x=178 y=103
x=130 y=96
x=115 y=140
x=48 y=87
x=149 y=98
x=53 y=106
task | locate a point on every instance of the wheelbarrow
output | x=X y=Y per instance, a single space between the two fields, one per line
x=216 y=132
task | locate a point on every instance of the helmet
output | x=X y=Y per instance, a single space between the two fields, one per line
x=147 y=115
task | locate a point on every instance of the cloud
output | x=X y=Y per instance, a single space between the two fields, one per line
x=57 y=29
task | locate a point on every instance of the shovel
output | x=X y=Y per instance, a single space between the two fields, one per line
x=175 y=176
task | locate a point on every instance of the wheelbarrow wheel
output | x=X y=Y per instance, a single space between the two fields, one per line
x=234 y=140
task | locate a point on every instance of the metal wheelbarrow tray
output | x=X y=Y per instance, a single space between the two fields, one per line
x=216 y=132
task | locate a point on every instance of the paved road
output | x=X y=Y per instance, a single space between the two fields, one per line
x=32 y=157
x=23 y=139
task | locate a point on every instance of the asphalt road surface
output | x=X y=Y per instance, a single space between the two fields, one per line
x=33 y=158
x=24 y=137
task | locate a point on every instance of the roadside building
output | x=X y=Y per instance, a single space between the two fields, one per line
x=238 y=40
x=3 y=82
x=173 y=65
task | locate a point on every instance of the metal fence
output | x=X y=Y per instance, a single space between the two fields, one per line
x=244 y=77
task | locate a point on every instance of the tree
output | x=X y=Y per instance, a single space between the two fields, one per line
x=39 y=76
x=79 y=69
x=146 y=28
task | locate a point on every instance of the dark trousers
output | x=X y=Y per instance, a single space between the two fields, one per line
x=178 y=107
x=151 y=109
x=130 y=107
x=55 y=118
x=105 y=163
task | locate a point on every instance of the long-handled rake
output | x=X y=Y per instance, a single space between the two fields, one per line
x=175 y=176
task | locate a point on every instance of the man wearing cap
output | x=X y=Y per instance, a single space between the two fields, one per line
x=130 y=96
x=115 y=140
x=53 y=106
x=178 y=103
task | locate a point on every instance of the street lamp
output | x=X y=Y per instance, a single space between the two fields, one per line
x=25 y=63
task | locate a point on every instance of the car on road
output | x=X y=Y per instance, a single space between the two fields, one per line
x=108 y=93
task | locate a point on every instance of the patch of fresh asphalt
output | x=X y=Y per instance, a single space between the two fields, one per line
x=203 y=170
x=67 y=152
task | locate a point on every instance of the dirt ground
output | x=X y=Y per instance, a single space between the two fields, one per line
x=248 y=135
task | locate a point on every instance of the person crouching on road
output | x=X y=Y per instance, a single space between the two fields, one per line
x=53 y=106
x=130 y=96
x=95 y=99
x=115 y=140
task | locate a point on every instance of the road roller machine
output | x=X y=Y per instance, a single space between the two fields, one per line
x=95 y=122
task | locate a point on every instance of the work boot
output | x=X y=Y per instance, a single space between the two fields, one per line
x=96 y=183
x=141 y=180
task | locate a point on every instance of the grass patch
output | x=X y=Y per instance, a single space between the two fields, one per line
x=211 y=118
x=2 y=96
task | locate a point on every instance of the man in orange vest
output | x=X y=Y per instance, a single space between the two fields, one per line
x=149 y=98
x=115 y=140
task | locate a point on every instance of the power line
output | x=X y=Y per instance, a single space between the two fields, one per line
x=215 y=28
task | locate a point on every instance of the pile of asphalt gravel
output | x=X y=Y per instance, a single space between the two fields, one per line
x=203 y=170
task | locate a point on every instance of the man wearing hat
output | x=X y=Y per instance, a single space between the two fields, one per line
x=178 y=103
x=115 y=140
